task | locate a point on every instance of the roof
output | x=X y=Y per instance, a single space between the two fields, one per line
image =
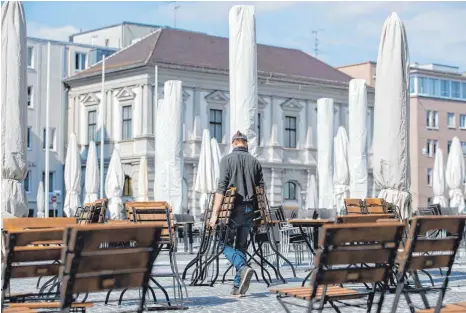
x=114 y=25
x=357 y=64
x=199 y=50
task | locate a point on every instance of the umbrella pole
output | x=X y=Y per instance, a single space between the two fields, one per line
x=102 y=134
x=47 y=135
x=156 y=105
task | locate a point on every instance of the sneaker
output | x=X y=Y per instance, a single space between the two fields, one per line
x=235 y=292
x=246 y=275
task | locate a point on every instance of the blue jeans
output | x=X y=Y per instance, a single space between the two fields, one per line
x=235 y=246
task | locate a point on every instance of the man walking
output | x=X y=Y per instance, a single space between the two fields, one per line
x=241 y=170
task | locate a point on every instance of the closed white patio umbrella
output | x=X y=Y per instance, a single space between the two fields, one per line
x=454 y=175
x=143 y=184
x=438 y=180
x=341 y=176
x=216 y=157
x=91 y=184
x=72 y=177
x=204 y=182
x=40 y=204
x=114 y=183
x=14 y=114
x=311 y=195
x=391 y=165
x=325 y=152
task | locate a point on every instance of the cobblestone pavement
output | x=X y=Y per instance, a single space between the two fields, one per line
x=259 y=299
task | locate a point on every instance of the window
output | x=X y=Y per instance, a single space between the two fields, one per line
x=435 y=119
x=435 y=87
x=411 y=84
x=428 y=118
x=30 y=96
x=290 y=132
x=29 y=138
x=463 y=91
x=80 y=61
x=30 y=57
x=429 y=200
x=428 y=147
x=463 y=145
x=31 y=213
x=51 y=180
x=455 y=90
x=423 y=85
x=259 y=129
x=289 y=191
x=51 y=137
x=434 y=147
x=445 y=88
x=451 y=120
x=215 y=124
x=127 y=115
x=449 y=146
x=27 y=182
x=463 y=121
x=128 y=187
x=91 y=125
x=429 y=176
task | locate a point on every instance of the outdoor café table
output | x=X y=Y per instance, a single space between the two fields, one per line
x=315 y=224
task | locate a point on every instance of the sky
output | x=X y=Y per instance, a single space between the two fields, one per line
x=348 y=32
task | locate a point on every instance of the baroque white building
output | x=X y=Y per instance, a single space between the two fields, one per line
x=66 y=59
x=290 y=82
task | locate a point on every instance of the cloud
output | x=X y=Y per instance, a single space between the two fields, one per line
x=54 y=33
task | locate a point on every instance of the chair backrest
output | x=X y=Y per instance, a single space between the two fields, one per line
x=363 y=218
x=375 y=206
x=448 y=211
x=24 y=223
x=94 y=212
x=423 y=252
x=89 y=267
x=278 y=213
x=153 y=212
x=326 y=214
x=25 y=248
x=369 y=248
x=354 y=206
x=307 y=213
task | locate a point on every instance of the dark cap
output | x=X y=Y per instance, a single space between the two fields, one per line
x=239 y=136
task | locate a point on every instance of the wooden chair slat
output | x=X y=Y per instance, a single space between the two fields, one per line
x=121 y=259
x=37 y=253
x=449 y=223
x=25 y=271
x=429 y=261
x=26 y=237
x=429 y=245
x=346 y=275
x=49 y=305
x=22 y=223
x=363 y=218
x=358 y=256
x=104 y=281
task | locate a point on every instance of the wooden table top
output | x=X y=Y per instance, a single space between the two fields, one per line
x=309 y=222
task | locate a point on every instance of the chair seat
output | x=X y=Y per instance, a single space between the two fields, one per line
x=18 y=310
x=333 y=292
x=448 y=308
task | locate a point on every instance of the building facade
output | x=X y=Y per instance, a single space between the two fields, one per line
x=290 y=82
x=437 y=114
x=66 y=59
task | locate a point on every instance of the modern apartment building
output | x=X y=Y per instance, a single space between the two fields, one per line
x=66 y=59
x=438 y=113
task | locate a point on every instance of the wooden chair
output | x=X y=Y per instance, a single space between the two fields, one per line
x=354 y=206
x=159 y=213
x=422 y=252
x=90 y=268
x=375 y=206
x=22 y=257
x=93 y=213
x=340 y=245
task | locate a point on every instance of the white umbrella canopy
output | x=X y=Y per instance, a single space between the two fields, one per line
x=216 y=157
x=454 y=175
x=72 y=177
x=391 y=165
x=311 y=195
x=13 y=109
x=325 y=152
x=357 y=134
x=341 y=175
x=40 y=200
x=143 y=191
x=243 y=73
x=205 y=173
x=157 y=158
x=114 y=183
x=438 y=180
x=92 y=175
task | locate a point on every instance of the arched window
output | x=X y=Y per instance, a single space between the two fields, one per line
x=289 y=191
x=128 y=187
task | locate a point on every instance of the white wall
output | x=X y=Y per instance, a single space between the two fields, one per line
x=98 y=37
